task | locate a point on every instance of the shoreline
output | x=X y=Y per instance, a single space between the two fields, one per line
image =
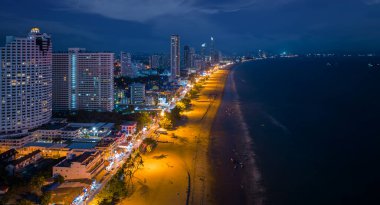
x=237 y=177
x=185 y=163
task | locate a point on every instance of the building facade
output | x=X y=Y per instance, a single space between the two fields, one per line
x=175 y=57
x=137 y=93
x=129 y=128
x=88 y=79
x=154 y=61
x=188 y=59
x=84 y=166
x=20 y=163
x=212 y=50
x=25 y=83
x=14 y=142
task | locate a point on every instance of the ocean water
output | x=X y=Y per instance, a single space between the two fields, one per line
x=315 y=126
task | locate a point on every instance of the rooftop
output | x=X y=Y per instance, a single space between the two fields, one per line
x=105 y=143
x=53 y=126
x=84 y=158
x=19 y=160
x=45 y=145
x=15 y=137
x=70 y=128
x=97 y=125
x=82 y=145
x=7 y=153
x=129 y=123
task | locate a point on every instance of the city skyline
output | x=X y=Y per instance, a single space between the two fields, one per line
x=189 y=102
x=292 y=25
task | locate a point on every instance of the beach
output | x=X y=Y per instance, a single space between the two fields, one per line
x=237 y=177
x=179 y=171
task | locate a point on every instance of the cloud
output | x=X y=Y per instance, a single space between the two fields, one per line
x=53 y=26
x=146 y=10
x=132 y=10
x=372 y=2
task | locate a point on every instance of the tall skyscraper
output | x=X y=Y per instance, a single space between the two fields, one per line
x=203 y=56
x=187 y=58
x=126 y=65
x=25 y=83
x=203 y=49
x=88 y=79
x=175 y=56
x=212 y=50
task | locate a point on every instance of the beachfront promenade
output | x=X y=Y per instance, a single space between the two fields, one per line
x=178 y=171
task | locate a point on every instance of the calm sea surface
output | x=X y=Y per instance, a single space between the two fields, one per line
x=315 y=124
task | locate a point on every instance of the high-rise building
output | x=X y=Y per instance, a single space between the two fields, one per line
x=203 y=56
x=212 y=49
x=165 y=61
x=25 y=83
x=186 y=57
x=175 y=56
x=126 y=65
x=83 y=81
x=218 y=57
x=199 y=62
x=137 y=93
x=154 y=61
x=192 y=57
x=203 y=49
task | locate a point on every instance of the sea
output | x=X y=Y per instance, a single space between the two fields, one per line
x=314 y=125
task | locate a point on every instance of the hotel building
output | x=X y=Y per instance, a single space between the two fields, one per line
x=175 y=56
x=83 y=81
x=25 y=83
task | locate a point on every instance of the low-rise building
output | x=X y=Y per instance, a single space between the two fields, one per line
x=57 y=131
x=84 y=166
x=76 y=147
x=15 y=142
x=107 y=147
x=83 y=146
x=48 y=149
x=69 y=131
x=20 y=163
x=150 y=100
x=96 y=130
x=8 y=155
x=129 y=127
x=137 y=93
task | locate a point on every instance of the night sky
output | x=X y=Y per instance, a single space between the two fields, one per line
x=237 y=25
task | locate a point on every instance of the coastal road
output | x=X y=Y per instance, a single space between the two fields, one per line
x=136 y=143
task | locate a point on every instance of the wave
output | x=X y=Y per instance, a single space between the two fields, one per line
x=253 y=179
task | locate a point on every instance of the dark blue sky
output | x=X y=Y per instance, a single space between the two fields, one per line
x=237 y=25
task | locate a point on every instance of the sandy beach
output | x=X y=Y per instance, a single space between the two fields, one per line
x=179 y=171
